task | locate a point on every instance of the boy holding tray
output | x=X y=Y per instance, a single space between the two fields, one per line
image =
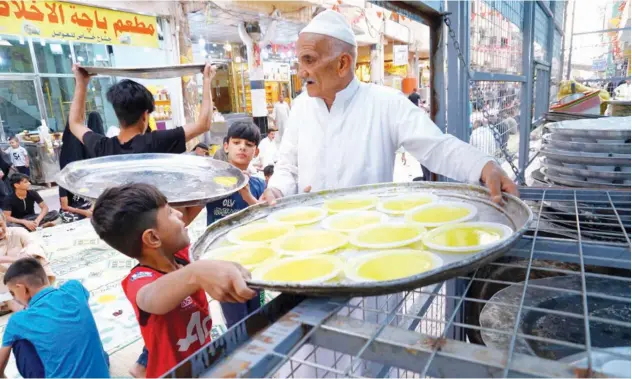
x=166 y=290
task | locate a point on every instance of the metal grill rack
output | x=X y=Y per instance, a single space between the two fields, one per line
x=435 y=331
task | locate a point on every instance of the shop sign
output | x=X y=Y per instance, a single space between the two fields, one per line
x=599 y=64
x=391 y=69
x=73 y=22
x=400 y=55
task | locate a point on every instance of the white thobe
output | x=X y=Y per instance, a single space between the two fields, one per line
x=280 y=114
x=268 y=152
x=354 y=142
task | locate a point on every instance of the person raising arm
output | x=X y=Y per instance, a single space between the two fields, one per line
x=133 y=104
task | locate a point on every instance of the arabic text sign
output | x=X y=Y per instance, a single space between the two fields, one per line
x=66 y=21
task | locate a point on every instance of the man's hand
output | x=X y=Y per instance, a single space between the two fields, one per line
x=497 y=182
x=224 y=281
x=30 y=225
x=209 y=72
x=81 y=76
x=271 y=195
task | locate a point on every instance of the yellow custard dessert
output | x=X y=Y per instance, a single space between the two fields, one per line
x=316 y=269
x=226 y=181
x=307 y=242
x=351 y=203
x=436 y=214
x=387 y=235
x=298 y=215
x=259 y=233
x=247 y=256
x=391 y=265
x=467 y=236
x=401 y=204
x=350 y=221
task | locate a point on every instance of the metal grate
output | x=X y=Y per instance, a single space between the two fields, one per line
x=541 y=36
x=501 y=100
x=566 y=258
x=496 y=37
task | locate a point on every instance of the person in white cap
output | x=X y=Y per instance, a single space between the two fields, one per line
x=344 y=133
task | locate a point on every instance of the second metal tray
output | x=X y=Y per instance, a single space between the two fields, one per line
x=185 y=180
x=515 y=214
x=558 y=142
x=578 y=157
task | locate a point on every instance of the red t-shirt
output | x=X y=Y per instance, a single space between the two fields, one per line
x=172 y=337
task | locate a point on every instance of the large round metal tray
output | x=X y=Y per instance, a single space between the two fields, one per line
x=558 y=142
x=501 y=311
x=604 y=128
x=185 y=179
x=606 y=175
x=579 y=157
x=571 y=182
x=515 y=214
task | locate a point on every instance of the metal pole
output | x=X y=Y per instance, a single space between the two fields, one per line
x=457 y=78
x=570 y=44
x=527 y=87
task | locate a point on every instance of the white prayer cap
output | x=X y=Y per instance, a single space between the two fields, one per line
x=333 y=24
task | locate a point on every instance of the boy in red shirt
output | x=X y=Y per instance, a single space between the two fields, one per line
x=165 y=289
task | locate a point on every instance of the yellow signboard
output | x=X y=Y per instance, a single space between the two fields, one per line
x=66 y=21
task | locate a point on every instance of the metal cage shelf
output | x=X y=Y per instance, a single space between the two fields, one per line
x=580 y=238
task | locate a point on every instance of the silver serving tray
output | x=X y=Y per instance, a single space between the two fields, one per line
x=559 y=168
x=566 y=181
x=515 y=214
x=579 y=157
x=186 y=180
x=156 y=72
x=556 y=141
x=592 y=129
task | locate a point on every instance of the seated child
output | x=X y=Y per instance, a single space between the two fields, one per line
x=73 y=207
x=16 y=243
x=55 y=336
x=240 y=147
x=268 y=171
x=165 y=289
x=19 y=207
x=200 y=150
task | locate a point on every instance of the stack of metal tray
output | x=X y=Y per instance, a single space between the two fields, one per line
x=589 y=153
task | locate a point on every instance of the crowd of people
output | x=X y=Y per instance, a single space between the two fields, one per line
x=340 y=133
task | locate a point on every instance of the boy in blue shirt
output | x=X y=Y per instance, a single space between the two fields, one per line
x=241 y=147
x=55 y=336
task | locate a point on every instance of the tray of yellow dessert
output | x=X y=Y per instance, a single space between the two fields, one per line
x=186 y=180
x=367 y=240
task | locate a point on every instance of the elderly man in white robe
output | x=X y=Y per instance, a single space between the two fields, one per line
x=344 y=133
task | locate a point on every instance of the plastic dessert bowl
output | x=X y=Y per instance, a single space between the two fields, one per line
x=467 y=237
x=351 y=203
x=441 y=213
x=259 y=233
x=387 y=236
x=349 y=221
x=309 y=242
x=399 y=205
x=249 y=256
x=314 y=269
x=391 y=265
x=298 y=215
